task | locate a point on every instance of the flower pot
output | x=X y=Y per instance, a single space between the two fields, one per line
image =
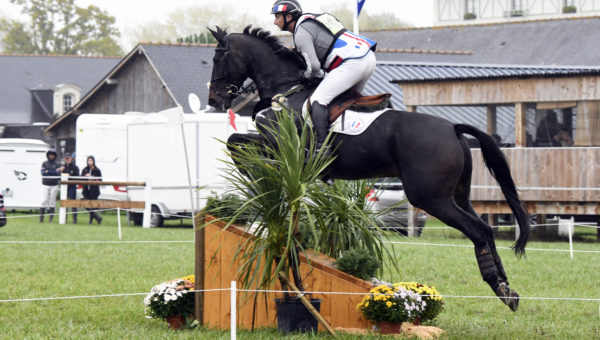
x=387 y=327
x=293 y=316
x=416 y=322
x=175 y=321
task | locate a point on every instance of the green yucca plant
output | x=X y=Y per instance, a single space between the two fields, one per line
x=278 y=182
x=274 y=180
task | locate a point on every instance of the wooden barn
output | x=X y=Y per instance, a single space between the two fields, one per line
x=151 y=78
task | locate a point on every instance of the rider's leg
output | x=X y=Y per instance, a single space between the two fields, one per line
x=369 y=64
x=351 y=73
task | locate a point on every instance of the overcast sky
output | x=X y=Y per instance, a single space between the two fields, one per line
x=131 y=13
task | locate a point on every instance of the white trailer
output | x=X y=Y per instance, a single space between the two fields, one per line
x=20 y=172
x=149 y=147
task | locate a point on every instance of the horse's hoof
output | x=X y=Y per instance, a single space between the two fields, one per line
x=508 y=296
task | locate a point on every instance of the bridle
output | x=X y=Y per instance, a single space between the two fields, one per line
x=236 y=88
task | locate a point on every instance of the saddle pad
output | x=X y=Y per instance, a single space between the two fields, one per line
x=351 y=122
x=354 y=123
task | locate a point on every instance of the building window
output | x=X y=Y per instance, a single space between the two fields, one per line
x=470 y=6
x=517 y=5
x=68 y=102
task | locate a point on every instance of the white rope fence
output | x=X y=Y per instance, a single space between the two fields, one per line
x=291 y=292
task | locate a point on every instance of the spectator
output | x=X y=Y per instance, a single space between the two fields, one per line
x=50 y=178
x=91 y=192
x=547 y=129
x=563 y=138
x=73 y=171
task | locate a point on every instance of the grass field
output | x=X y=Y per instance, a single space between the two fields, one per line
x=60 y=270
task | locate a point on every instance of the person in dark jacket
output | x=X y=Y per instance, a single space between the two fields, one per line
x=73 y=171
x=91 y=192
x=51 y=170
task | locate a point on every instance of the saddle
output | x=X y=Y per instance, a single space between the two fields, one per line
x=351 y=100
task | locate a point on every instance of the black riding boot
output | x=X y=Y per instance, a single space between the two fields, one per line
x=74 y=211
x=320 y=119
x=42 y=211
x=51 y=214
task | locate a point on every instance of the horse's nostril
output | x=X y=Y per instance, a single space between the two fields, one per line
x=211 y=102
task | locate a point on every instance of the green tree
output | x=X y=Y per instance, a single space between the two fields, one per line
x=366 y=21
x=184 y=24
x=60 y=27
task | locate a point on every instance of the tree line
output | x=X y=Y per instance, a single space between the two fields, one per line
x=61 y=27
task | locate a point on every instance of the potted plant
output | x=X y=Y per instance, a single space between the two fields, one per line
x=273 y=179
x=470 y=16
x=290 y=210
x=388 y=306
x=172 y=301
x=432 y=298
x=569 y=9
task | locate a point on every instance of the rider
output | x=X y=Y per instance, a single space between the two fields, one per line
x=343 y=59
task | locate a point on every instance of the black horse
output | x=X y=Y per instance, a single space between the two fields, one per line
x=429 y=154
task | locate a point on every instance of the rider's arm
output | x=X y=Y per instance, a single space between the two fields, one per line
x=305 y=45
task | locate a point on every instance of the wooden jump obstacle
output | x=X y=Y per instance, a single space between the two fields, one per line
x=100 y=204
x=216 y=267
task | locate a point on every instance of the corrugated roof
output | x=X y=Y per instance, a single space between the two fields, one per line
x=386 y=72
x=405 y=72
x=184 y=68
x=541 y=42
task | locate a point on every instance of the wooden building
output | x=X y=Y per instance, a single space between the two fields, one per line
x=552 y=180
x=151 y=78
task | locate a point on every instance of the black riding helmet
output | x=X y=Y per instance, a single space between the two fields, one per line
x=287 y=7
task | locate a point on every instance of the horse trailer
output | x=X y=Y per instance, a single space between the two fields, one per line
x=20 y=172
x=148 y=147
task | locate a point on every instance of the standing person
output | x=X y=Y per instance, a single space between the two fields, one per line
x=73 y=171
x=91 y=192
x=343 y=59
x=50 y=168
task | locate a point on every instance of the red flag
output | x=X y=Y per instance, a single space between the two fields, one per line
x=232 y=119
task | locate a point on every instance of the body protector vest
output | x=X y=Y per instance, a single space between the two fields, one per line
x=342 y=44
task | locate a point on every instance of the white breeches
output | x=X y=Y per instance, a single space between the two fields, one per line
x=49 y=196
x=351 y=74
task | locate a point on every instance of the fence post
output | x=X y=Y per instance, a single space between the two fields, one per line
x=571 y=231
x=62 y=211
x=148 y=205
x=233 y=311
x=412 y=228
x=119 y=221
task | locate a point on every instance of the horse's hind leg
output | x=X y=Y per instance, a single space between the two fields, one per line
x=449 y=212
x=461 y=196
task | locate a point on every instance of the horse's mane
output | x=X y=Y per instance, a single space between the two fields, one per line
x=273 y=42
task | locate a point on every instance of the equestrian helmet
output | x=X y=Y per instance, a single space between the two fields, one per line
x=287 y=7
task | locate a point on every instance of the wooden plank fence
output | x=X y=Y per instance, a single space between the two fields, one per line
x=220 y=266
x=537 y=170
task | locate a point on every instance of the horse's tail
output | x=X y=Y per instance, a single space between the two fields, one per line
x=496 y=162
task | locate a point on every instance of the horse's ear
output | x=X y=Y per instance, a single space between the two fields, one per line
x=214 y=34
x=220 y=35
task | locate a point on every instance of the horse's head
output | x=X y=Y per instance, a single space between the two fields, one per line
x=229 y=72
x=252 y=54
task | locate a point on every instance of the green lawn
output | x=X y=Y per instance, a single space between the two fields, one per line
x=50 y=270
